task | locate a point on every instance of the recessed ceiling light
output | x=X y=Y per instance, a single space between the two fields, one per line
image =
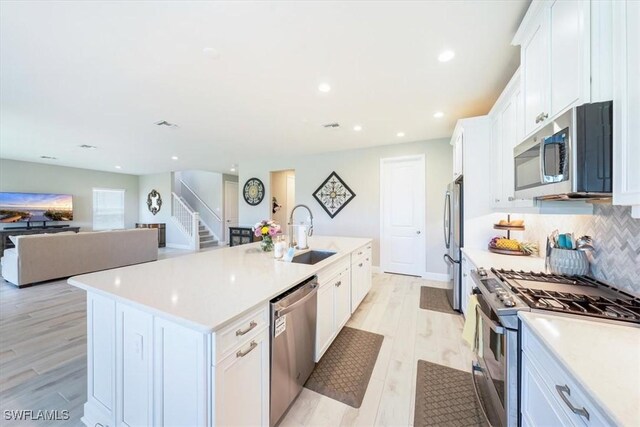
x=174 y=157
x=118 y=167
x=357 y=128
x=88 y=147
x=233 y=169
x=211 y=53
x=438 y=114
x=400 y=134
x=324 y=87
x=446 y=56
x=49 y=157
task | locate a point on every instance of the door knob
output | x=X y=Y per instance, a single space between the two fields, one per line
x=418 y=232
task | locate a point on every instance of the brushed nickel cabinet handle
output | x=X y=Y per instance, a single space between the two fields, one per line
x=360 y=265
x=360 y=253
x=563 y=391
x=241 y=353
x=240 y=332
x=338 y=283
x=511 y=199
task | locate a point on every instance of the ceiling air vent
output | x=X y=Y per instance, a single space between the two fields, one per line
x=88 y=147
x=49 y=157
x=331 y=125
x=166 y=123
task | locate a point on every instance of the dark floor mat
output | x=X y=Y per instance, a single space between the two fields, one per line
x=435 y=299
x=445 y=397
x=344 y=371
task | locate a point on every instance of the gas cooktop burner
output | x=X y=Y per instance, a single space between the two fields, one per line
x=577 y=295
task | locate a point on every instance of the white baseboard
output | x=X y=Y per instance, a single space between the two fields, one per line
x=177 y=246
x=439 y=277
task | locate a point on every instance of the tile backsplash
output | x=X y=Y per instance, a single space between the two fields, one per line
x=616 y=238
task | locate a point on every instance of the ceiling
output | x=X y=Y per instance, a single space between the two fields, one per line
x=241 y=79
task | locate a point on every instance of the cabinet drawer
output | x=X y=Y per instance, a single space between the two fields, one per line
x=230 y=337
x=558 y=383
x=361 y=254
x=327 y=274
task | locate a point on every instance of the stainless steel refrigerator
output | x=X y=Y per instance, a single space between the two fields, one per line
x=453 y=221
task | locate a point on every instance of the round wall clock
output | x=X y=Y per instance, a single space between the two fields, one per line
x=253 y=191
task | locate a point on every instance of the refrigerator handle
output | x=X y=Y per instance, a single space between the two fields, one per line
x=447 y=219
x=450 y=260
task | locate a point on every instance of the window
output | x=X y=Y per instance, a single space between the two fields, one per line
x=108 y=209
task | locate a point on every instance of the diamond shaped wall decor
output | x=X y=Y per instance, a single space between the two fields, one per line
x=333 y=194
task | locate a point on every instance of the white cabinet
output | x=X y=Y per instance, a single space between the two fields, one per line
x=134 y=362
x=181 y=370
x=360 y=275
x=506 y=125
x=457 y=141
x=467 y=282
x=242 y=385
x=100 y=407
x=535 y=73
x=555 y=56
x=626 y=104
x=334 y=306
x=549 y=394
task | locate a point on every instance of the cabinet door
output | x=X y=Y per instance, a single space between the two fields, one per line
x=626 y=104
x=535 y=68
x=508 y=118
x=496 y=166
x=367 y=280
x=134 y=380
x=181 y=371
x=538 y=408
x=358 y=284
x=242 y=385
x=569 y=53
x=458 y=148
x=342 y=300
x=101 y=361
x=325 y=319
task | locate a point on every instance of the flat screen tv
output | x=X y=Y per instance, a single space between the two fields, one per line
x=34 y=207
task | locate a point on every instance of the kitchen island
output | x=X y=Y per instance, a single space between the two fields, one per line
x=185 y=341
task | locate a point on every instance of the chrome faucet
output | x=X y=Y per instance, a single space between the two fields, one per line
x=309 y=232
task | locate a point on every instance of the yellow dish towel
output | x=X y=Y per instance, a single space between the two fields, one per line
x=472 y=324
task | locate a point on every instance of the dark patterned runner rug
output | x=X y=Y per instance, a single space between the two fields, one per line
x=435 y=299
x=344 y=371
x=445 y=397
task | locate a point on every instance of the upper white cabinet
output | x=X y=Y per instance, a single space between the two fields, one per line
x=626 y=104
x=457 y=143
x=555 y=57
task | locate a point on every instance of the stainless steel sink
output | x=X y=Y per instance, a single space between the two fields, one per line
x=311 y=257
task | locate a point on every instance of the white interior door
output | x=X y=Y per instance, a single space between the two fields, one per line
x=402 y=205
x=230 y=207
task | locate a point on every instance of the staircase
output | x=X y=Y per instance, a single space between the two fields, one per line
x=206 y=238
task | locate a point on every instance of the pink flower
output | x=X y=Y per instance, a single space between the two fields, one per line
x=257 y=232
x=273 y=231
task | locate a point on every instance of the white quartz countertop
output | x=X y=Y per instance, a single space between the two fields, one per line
x=486 y=259
x=207 y=290
x=603 y=357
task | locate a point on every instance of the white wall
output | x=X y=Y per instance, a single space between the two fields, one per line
x=161 y=182
x=360 y=169
x=18 y=176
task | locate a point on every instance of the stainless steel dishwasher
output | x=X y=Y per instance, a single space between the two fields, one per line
x=293 y=340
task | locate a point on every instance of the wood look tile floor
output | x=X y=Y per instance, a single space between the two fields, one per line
x=43 y=353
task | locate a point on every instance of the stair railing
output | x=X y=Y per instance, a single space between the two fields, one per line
x=187 y=219
x=208 y=216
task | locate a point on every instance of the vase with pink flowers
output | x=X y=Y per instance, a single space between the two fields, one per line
x=267 y=229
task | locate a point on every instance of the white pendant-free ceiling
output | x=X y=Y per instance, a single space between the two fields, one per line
x=241 y=79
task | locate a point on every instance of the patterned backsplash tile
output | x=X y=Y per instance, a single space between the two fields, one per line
x=616 y=238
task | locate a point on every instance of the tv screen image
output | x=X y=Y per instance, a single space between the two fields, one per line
x=33 y=207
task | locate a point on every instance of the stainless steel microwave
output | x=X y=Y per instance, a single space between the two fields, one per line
x=570 y=158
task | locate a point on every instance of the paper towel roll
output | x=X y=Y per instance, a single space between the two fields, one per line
x=301 y=236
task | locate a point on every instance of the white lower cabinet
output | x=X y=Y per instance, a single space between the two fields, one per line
x=334 y=308
x=549 y=394
x=360 y=275
x=242 y=385
x=466 y=282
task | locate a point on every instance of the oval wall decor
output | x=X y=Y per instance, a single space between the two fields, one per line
x=154 y=202
x=253 y=191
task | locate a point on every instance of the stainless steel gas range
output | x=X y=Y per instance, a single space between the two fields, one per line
x=501 y=294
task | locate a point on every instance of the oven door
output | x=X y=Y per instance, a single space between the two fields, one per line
x=489 y=372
